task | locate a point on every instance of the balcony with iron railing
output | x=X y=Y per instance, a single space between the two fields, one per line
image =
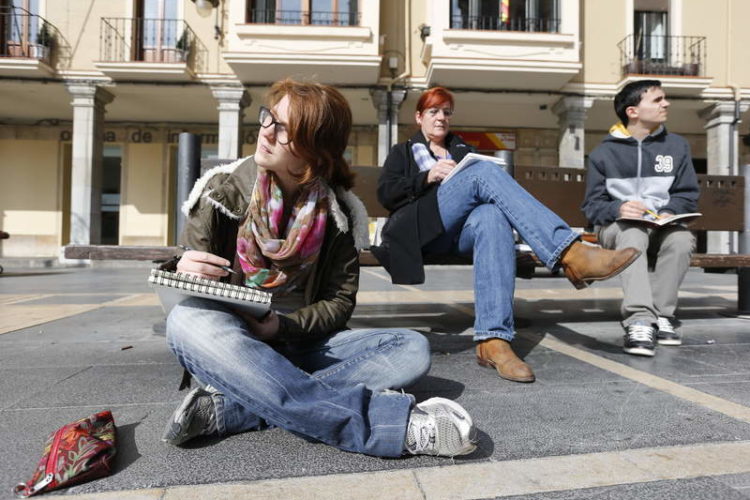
x=663 y=55
x=532 y=48
x=139 y=47
x=26 y=40
x=298 y=17
x=496 y=23
x=263 y=45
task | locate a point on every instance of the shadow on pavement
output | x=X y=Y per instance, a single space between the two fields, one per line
x=571 y=338
x=430 y=386
x=127 y=450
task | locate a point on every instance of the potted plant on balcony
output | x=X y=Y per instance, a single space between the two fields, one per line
x=44 y=40
x=182 y=47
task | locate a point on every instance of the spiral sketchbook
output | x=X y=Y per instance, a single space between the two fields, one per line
x=173 y=288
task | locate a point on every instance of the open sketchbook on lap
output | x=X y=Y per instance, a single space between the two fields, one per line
x=472 y=158
x=661 y=221
x=173 y=288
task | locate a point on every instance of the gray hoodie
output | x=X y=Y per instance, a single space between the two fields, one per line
x=657 y=171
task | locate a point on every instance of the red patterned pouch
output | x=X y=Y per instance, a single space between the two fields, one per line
x=74 y=453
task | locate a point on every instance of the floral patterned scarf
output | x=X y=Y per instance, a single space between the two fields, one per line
x=276 y=261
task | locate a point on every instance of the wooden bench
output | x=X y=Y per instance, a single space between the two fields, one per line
x=722 y=203
x=561 y=189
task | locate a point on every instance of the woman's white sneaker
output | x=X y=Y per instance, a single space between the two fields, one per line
x=440 y=427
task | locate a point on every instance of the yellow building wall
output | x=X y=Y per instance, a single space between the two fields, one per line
x=603 y=27
x=725 y=29
x=144 y=195
x=400 y=40
x=80 y=24
x=697 y=22
x=738 y=42
x=30 y=198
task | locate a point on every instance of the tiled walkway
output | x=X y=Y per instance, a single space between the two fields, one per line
x=597 y=423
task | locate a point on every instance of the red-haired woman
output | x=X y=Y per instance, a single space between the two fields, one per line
x=475 y=213
x=291 y=228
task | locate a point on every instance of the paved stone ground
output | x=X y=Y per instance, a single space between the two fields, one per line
x=597 y=423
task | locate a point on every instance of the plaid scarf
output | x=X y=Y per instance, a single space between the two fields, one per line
x=422 y=156
x=270 y=259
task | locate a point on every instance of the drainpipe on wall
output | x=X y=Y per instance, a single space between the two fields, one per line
x=407 y=72
x=733 y=149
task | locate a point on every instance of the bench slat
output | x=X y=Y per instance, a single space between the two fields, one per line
x=116 y=252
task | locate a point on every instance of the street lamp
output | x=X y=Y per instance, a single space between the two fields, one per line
x=204 y=7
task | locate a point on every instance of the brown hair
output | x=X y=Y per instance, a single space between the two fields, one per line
x=320 y=121
x=434 y=97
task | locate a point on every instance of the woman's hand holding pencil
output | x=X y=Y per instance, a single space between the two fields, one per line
x=203 y=264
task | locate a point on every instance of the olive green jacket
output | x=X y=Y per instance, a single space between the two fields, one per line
x=216 y=207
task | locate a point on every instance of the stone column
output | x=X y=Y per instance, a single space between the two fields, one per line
x=571 y=113
x=380 y=100
x=88 y=104
x=721 y=137
x=721 y=155
x=232 y=103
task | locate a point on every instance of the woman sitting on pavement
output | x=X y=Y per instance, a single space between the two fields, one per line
x=292 y=230
x=475 y=213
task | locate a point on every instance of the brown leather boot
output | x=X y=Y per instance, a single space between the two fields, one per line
x=498 y=354
x=584 y=264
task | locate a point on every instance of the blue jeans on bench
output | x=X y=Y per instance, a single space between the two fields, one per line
x=332 y=390
x=479 y=207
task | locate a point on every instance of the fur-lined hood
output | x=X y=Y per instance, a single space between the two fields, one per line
x=228 y=189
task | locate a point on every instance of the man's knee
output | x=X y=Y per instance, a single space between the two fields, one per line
x=632 y=236
x=682 y=241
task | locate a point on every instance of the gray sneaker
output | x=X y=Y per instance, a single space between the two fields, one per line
x=440 y=427
x=196 y=416
x=667 y=334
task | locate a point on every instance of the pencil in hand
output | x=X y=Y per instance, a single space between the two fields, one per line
x=226 y=268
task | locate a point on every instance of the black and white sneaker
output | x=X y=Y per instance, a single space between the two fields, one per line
x=667 y=335
x=639 y=339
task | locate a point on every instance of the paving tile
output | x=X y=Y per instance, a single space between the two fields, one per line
x=573 y=407
x=693 y=489
x=125 y=384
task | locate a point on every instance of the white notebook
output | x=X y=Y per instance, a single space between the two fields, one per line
x=471 y=158
x=173 y=288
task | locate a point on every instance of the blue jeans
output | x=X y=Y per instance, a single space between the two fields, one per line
x=479 y=207
x=332 y=390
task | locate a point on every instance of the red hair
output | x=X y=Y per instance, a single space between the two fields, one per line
x=434 y=97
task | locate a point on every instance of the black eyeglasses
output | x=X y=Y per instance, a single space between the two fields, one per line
x=266 y=119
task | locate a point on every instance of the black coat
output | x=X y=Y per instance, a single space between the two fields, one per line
x=415 y=216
